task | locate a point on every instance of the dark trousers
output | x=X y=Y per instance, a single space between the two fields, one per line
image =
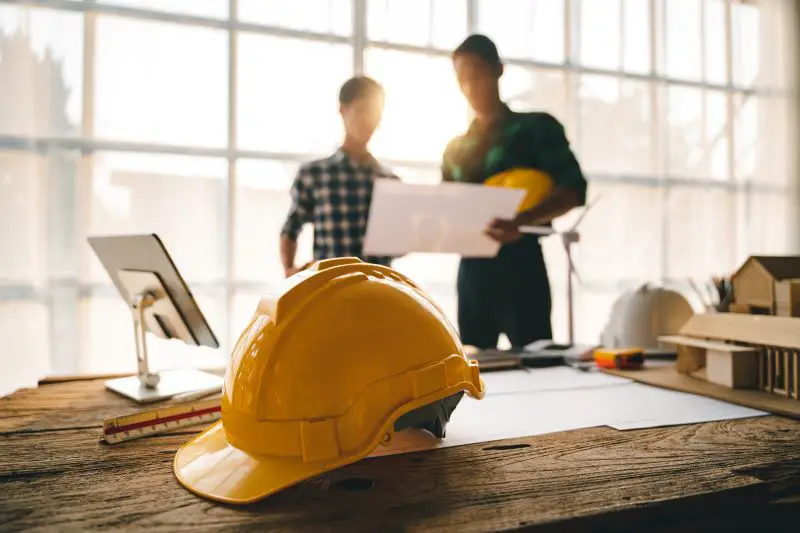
x=509 y=293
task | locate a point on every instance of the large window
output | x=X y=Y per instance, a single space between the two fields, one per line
x=287 y=93
x=524 y=30
x=190 y=119
x=157 y=82
x=423 y=107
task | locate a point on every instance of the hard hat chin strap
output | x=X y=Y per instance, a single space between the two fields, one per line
x=432 y=417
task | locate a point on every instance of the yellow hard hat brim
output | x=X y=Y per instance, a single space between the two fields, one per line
x=210 y=467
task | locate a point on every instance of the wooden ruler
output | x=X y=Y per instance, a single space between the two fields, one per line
x=144 y=423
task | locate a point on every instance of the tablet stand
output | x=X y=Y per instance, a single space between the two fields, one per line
x=153 y=309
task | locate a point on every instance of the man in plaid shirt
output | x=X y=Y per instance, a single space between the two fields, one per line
x=334 y=193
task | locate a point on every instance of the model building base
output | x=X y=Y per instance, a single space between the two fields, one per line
x=739 y=351
x=665 y=375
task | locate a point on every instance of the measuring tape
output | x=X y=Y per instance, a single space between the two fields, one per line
x=144 y=423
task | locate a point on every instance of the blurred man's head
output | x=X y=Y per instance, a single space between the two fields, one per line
x=478 y=69
x=361 y=105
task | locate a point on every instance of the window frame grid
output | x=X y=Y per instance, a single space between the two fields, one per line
x=87 y=145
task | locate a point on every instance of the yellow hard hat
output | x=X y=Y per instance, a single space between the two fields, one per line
x=537 y=184
x=332 y=365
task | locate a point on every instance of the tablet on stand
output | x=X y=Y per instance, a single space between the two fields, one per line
x=161 y=304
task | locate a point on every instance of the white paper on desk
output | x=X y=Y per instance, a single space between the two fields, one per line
x=513 y=409
x=503 y=416
x=444 y=218
x=672 y=408
x=547 y=379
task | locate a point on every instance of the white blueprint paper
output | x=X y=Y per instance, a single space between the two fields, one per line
x=547 y=379
x=538 y=401
x=444 y=218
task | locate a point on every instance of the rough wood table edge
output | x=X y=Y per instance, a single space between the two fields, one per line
x=754 y=484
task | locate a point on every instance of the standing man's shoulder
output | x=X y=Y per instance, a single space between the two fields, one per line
x=452 y=158
x=319 y=166
x=455 y=147
x=382 y=171
x=387 y=174
x=540 y=125
x=551 y=150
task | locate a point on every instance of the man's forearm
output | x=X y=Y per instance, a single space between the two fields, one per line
x=288 y=251
x=560 y=202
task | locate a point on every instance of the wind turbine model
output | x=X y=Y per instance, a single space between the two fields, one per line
x=568 y=238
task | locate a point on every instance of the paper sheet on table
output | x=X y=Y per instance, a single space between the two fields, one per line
x=535 y=402
x=547 y=379
x=445 y=218
x=672 y=408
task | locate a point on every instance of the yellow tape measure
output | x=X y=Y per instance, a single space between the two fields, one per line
x=144 y=423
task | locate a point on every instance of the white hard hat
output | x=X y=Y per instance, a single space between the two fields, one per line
x=641 y=315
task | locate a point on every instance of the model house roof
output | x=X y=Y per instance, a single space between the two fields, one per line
x=779 y=267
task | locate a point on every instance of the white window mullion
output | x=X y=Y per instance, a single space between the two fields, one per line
x=659 y=151
x=359 y=35
x=230 y=244
x=742 y=213
x=623 y=4
x=84 y=193
x=706 y=155
x=85 y=176
x=472 y=16
x=572 y=58
x=658 y=130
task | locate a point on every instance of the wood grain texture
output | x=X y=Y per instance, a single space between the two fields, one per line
x=589 y=480
x=65 y=405
x=669 y=378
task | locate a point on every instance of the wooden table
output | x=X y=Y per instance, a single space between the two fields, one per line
x=743 y=475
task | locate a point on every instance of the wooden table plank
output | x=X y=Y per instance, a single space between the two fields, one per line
x=64 y=405
x=76 y=480
x=52 y=478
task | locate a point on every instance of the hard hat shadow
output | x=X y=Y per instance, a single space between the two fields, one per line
x=373 y=482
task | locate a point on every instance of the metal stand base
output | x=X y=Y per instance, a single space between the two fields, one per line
x=153 y=310
x=171 y=383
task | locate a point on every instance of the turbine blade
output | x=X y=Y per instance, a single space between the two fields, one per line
x=573 y=269
x=589 y=206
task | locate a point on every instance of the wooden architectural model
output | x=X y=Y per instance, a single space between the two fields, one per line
x=767 y=285
x=741 y=351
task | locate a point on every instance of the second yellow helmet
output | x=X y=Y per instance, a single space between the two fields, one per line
x=537 y=184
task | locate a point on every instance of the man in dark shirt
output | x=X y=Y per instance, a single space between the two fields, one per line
x=509 y=293
x=334 y=193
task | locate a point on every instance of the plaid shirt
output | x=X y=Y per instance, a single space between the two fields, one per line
x=335 y=194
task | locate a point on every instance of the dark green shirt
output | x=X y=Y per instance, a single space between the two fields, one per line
x=515 y=140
